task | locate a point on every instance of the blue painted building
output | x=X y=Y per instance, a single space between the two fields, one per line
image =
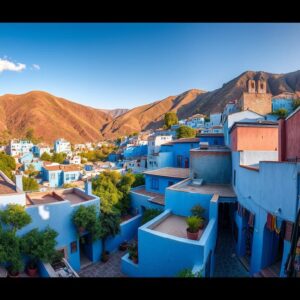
x=135 y=151
x=286 y=103
x=213 y=139
x=114 y=156
x=39 y=149
x=58 y=175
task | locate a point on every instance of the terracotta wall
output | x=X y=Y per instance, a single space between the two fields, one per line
x=259 y=103
x=254 y=138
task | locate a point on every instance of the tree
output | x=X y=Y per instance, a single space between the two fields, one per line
x=149 y=214
x=46 y=156
x=185 y=132
x=15 y=216
x=139 y=179
x=281 y=113
x=39 y=245
x=31 y=171
x=59 y=157
x=7 y=164
x=296 y=103
x=109 y=226
x=170 y=119
x=29 y=135
x=30 y=184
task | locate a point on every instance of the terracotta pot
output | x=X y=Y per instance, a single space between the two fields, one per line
x=135 y=259
x=192 y=235
x=32 y=272
x=123 y=246
x=13 y=275
x=104 y=257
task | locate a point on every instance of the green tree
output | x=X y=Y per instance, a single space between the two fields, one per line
x=149 y=214
x=139 y=179
x=281 y=113
x=170 y=119
x=15 y=216
x=296 y=103
x=109 y=226
x=46 y=157
x=39 y=246
x=7 y=164
x=30 y=136
x=31 y=171
x=30 y=184
x=59 y=157
x=185 y=132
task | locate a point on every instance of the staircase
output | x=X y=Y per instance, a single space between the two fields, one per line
x=272 y=271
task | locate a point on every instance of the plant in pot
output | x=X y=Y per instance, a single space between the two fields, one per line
x=133 y=252
x=15 y=267
x=123 y=246
x=38 y=246
x=109 y=225
x=85 y=218
x=198 y=211
x=193 y=229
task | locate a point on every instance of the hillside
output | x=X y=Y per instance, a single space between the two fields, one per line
x=50 y=117
x=115 y=112
x=196 y=101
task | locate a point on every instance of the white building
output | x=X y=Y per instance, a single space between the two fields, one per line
x=61 y=145
x=155 y=141
x=196 y=121
x=75 y=160
x=19 y=147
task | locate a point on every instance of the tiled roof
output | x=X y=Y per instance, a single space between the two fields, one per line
x=170 y=172
x=65 y=168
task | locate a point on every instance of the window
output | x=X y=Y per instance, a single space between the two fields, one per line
x=154 y=184
x=179 y=161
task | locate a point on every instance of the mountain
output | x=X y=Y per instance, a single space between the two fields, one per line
x=197 y=101
x=50 y=117
x=116 y=112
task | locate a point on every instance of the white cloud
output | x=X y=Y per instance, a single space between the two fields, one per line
x=36 y=67
x=6 y=65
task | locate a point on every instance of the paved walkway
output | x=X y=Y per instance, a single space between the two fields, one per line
x=226 y=262
x=112 y=268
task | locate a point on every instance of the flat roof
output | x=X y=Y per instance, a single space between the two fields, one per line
x=262 y=123
x=65 y=168
x=223 y=190
x=6 y=185
x=155 y=197
x=174 y=225
x=170 y=172
x=183 y=141
x=211 y=134
x=212 y=149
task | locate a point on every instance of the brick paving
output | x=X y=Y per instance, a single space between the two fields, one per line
x=112 y=268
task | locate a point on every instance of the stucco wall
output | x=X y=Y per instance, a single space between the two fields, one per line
x=163 y=183
x=293 y=136
x=212 y=166
x=254 y=157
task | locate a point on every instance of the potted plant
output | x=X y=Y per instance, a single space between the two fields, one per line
x=133 y=252
x=193 y=229
x=123 y=246
x=38 y=246
x=198 y=211
x=188 y=273
x=15 y=267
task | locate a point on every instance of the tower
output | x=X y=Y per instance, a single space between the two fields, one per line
x=261 y=87
x=251 y=86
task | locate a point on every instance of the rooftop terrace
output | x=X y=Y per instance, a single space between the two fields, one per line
x=6 y=185
x=73 y=195
x=155 y=197
x=223 y=190
x=174 y=225
x=170 y=172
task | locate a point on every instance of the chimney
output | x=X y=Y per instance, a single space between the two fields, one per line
x=19 y=183
x=88 y=187
x=282 y=140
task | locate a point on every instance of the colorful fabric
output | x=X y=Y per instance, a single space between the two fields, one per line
x=251 y=220
x=277 y=224
x=288 y=230
x=270 y=222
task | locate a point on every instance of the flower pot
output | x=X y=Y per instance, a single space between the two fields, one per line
x=201 y=225
x=32 y=272
x=13 y=274
x=105 y=257
x=135 y=259
x=192 y=235
x=123 y=246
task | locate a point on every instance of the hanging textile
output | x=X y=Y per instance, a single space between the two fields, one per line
x=240 y=210
x=270 y=222
x=251 y=220
x=297 y=257
x=288 y=230
x=277 y=224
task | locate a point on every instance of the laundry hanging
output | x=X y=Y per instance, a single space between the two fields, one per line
x=270 y=222
x=251 y=220
x=277 y=224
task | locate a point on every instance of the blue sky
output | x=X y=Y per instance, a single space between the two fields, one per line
x=126 y=65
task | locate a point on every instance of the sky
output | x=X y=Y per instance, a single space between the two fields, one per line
x=124 y=65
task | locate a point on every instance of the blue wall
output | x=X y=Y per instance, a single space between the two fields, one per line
x=213 y=140
x=60 y=177
x=135 y=151
x=182 y=149
x=282 y=103
x=163 y=183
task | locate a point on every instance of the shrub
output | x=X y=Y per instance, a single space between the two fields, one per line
x=139 y=179
x=150 y=214
x=15 y=216
x=86 y=217
x=133 y=250
x=193 y=223
x=30 y=184
x=198 y=211
x=185 y=132
x=39 y=245
x=170 y=119
x=188 y=273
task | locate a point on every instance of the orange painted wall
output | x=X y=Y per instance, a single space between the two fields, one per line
x=254 y=138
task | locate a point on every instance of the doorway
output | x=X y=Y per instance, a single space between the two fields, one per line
x=85 y=250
